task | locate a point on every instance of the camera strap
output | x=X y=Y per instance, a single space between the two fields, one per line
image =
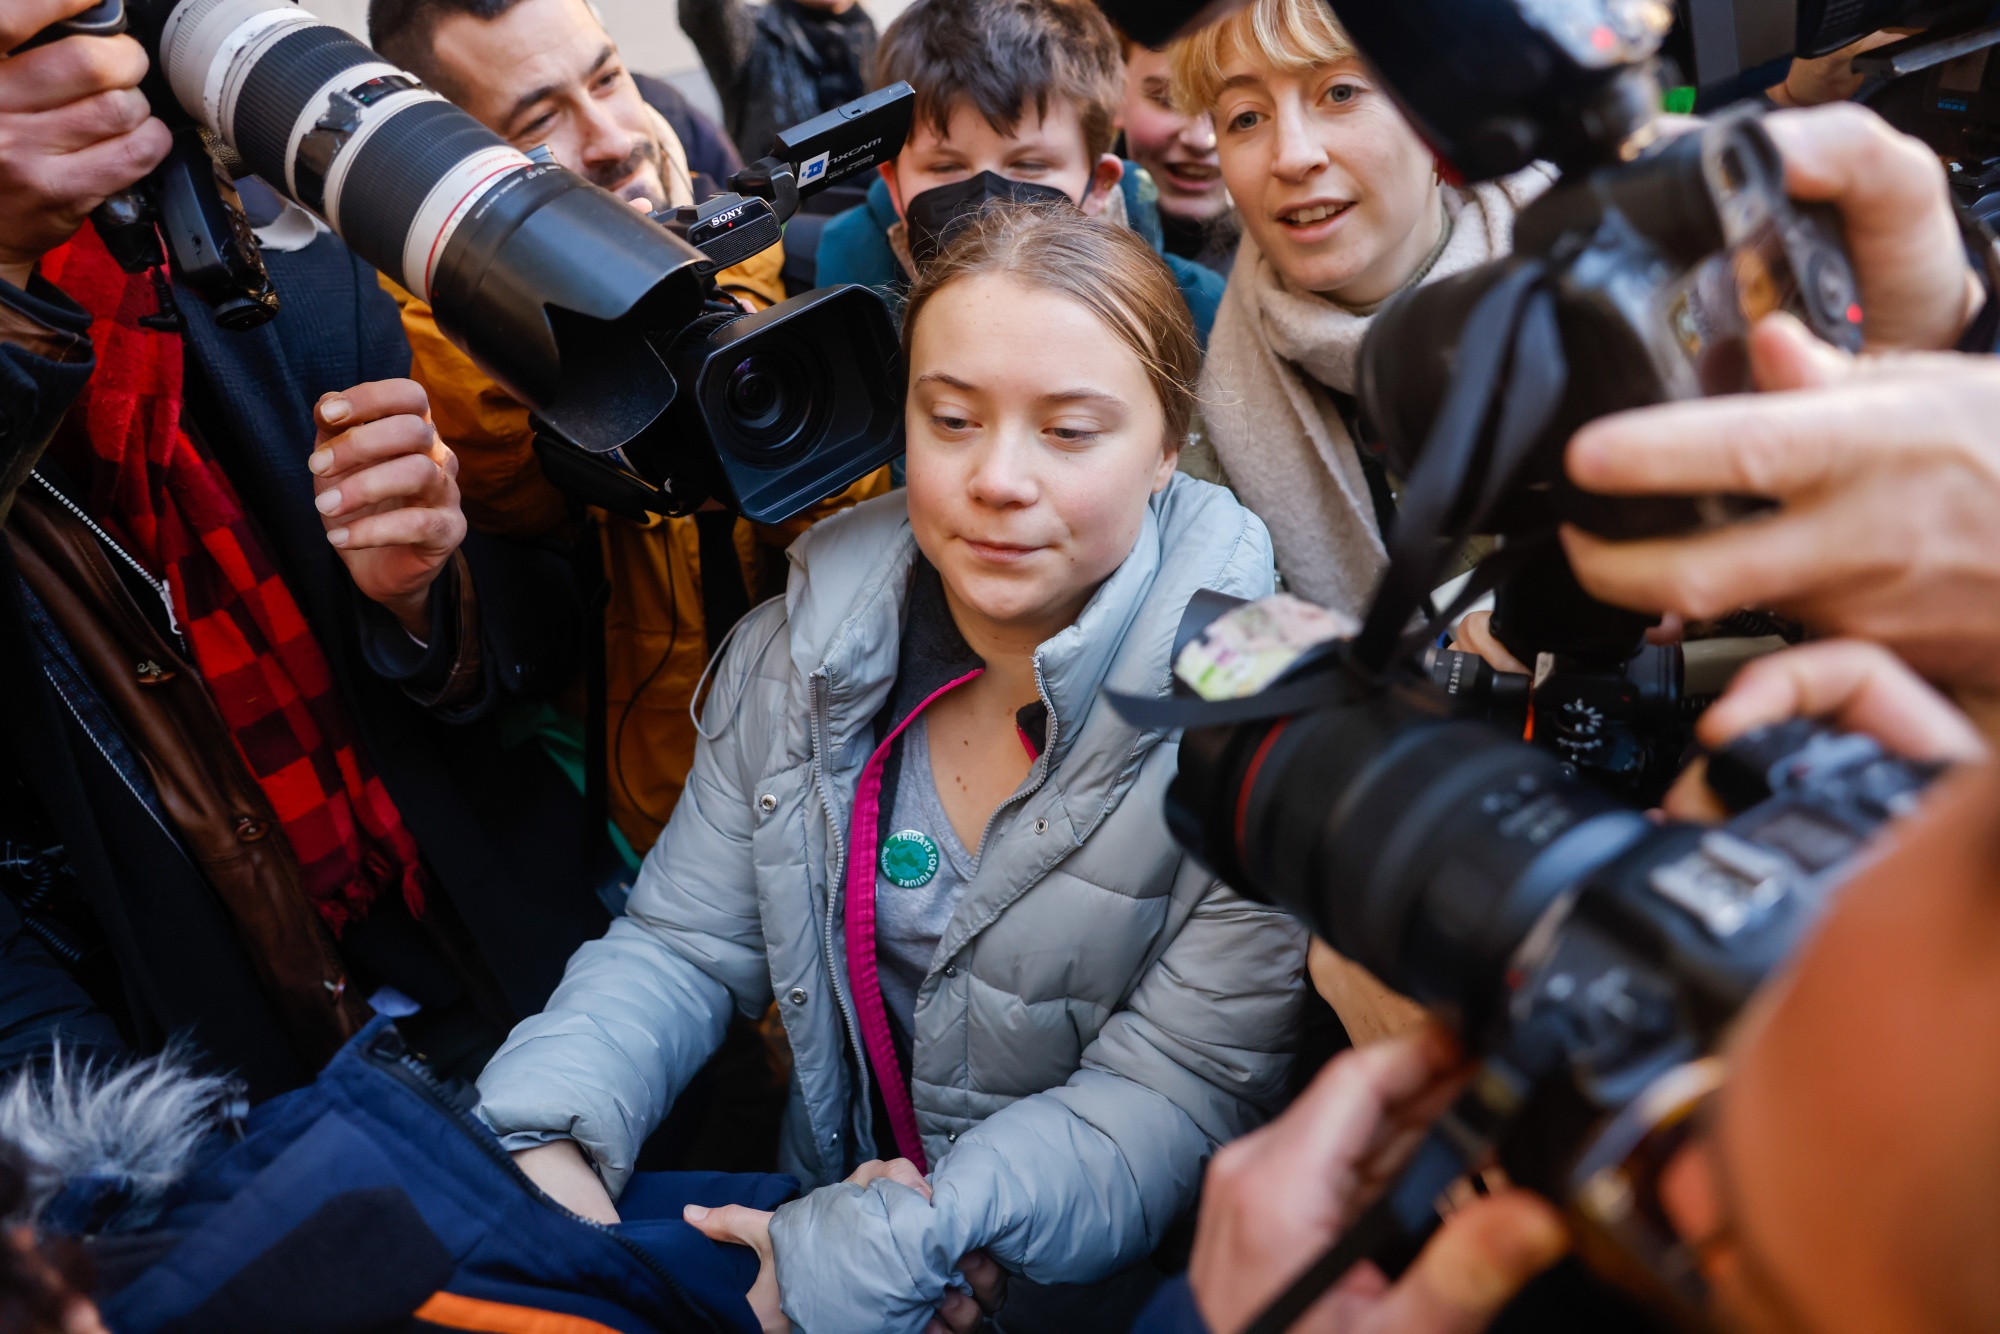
x=724 y=597
x=1380 y=494
x=594 y=586
x=1510 y=356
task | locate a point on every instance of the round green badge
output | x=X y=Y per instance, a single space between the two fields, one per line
x=909 y=859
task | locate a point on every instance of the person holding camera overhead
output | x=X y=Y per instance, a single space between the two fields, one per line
x=913 y=818
x=244 y=650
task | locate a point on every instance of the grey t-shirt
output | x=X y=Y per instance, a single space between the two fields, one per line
x=909 y=922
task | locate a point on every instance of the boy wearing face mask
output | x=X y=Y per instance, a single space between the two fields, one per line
x=1016 y=100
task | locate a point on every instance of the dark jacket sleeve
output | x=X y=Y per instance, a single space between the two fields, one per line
x=40 y=1002
x=505 y=624
x=724 y=32
x=1172 y=1311
x=39 y=382
x=515 y=603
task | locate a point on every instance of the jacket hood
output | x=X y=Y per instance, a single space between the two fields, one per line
x=850 y=587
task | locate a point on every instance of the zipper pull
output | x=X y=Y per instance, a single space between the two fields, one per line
x=167 y=600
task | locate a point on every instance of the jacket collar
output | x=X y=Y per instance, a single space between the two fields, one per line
x=850 y=597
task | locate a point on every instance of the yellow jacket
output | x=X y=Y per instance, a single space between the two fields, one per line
x=655 y=647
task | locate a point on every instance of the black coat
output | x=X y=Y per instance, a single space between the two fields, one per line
x=499 y=825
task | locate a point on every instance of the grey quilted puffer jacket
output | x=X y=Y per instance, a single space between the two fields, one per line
x=1099 y=1015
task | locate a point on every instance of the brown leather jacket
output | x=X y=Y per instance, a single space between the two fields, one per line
x=209 y=794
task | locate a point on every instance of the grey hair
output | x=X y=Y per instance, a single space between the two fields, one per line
x=139 y=1122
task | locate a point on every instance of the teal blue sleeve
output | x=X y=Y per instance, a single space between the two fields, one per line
x=853 y=248
x=1200 y=287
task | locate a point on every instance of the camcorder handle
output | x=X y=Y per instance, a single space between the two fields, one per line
x=749 y=217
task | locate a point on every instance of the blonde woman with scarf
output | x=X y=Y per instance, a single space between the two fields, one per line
x=1342 y=208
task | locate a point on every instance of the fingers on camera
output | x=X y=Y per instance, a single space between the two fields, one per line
x=57 y=76
x=414 y=479
x=22 y=19
x=1858 y=686
x=106 y=166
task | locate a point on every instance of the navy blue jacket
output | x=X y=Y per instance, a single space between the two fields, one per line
x=374 y=1195
x=1172 y=1311
x=498 y=824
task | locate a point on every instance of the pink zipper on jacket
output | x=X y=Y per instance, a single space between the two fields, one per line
x=864 y=978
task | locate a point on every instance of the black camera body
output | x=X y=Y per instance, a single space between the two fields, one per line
x=1505 y=876
x=767 y=391
x=1589 y=957
x=1658 y=268
x=1643 y=280
x=773 y=411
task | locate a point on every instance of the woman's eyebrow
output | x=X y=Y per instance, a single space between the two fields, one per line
x=1083 y=396
x=944 y=378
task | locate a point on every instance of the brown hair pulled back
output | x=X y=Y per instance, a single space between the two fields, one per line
x=1103 y=267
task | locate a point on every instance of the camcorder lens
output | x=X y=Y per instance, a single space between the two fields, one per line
x=755 y=395
x=768 y=398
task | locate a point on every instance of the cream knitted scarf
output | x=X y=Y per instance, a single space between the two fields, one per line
x=1276 y=431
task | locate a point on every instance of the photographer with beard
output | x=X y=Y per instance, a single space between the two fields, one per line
x=1886 y=476
x=545 y=72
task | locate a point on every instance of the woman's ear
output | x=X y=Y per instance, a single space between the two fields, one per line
x=1103 y=181
x=1170 y=459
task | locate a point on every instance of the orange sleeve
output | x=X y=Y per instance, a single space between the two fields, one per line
x=759 y=277
x=500 y=480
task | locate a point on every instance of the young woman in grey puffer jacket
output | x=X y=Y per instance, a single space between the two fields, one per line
x=916 y=823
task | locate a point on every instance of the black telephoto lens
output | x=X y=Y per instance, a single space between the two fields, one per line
x=1422 y=846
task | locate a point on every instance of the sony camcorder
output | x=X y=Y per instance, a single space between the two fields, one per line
x=594 y=315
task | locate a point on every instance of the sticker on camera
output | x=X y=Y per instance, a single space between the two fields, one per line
x=1242 y=652
x=813 y=168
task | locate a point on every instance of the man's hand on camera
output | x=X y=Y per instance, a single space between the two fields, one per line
x=387 y=491
x=1886 y=471
x=1918 y=290
x=1847 y=684
x=958 y=1313
x=1276 y=1198
x=74 y=128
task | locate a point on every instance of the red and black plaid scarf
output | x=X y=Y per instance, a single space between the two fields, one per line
x=166 y=499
